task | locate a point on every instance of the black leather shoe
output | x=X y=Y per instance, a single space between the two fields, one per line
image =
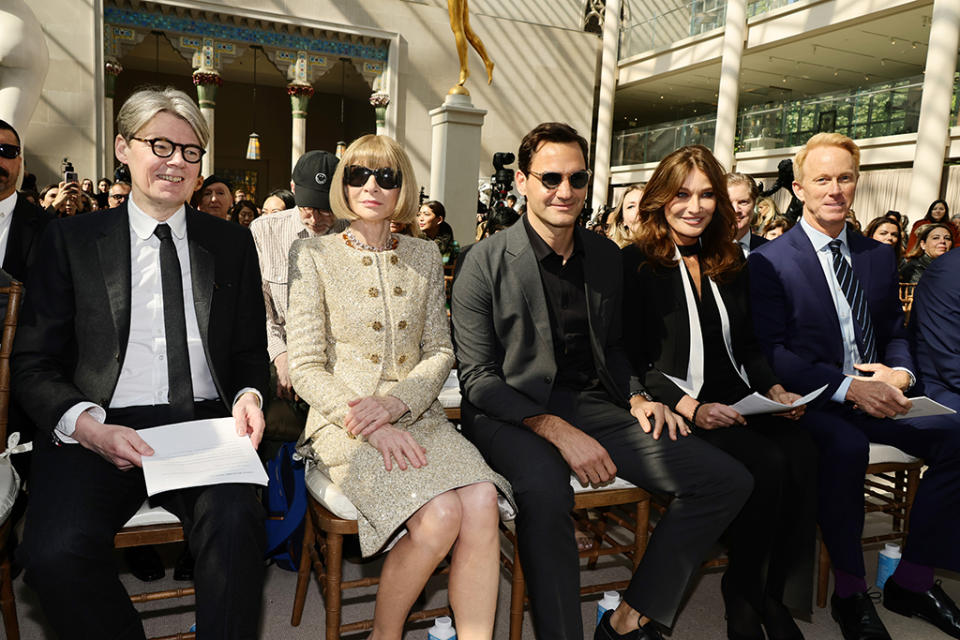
x=144 y=563
x=605 y=631
x=934 y=606
x=183 y=570
x=778 y=622
x=858 y=618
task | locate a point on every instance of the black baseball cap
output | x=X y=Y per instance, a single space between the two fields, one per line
x=312 y=178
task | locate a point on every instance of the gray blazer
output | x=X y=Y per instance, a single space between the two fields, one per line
x=501 y=325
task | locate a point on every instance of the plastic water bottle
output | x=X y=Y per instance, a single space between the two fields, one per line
x=610 y=601
x=442 y=629
x=887 y=562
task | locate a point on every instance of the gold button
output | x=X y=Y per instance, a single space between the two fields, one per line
x=394 y=259
x=367 y=261
x=397 y=291
x=402 y=324
x=375 y=359
x=401 y=359
x=374 y=292
x=377 y=326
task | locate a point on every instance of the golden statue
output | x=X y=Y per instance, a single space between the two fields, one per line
x=460 y=24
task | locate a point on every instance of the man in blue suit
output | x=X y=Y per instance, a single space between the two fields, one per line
x=935 y=330
x=826 y=309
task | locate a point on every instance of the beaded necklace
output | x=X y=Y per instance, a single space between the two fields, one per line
x=356 y=243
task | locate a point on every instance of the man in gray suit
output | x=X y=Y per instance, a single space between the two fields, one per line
x=547 y=390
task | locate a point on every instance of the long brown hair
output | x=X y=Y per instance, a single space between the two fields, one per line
x=720 y=256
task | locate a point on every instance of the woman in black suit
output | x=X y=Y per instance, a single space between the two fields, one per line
x=688 y=328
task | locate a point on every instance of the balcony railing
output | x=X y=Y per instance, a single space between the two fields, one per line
x=651 y=144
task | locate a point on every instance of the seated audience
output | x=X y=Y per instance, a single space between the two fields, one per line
x=937 y=212
x=278 y=200
x=743 y=191
x=547 y=394
x=431 y=219
x=375 y=424
x=776 y=228
x=215 y=197
x=934 y=240
x=85 y=369
x=623 y=221
x=243 y=213
x=886 y=230
x=826 y=310
x=685 y=310
x=935 y=329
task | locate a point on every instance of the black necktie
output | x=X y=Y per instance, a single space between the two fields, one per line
x=180 y=385
x=851 y=288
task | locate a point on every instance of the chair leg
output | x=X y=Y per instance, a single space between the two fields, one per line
x=303 y=571
x=333 y=557
x=8 y=605
x=517 y=592
x=823 y=576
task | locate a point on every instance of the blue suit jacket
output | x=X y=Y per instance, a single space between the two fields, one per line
x=935 y=329
x=795 y=319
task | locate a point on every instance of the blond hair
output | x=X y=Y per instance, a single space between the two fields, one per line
x=616 y=229
x=141 y=107
x=375 y=152
x=826 y=140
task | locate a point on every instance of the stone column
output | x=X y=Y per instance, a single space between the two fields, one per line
x=608 y=87
x=112 y=69
x=933 y=132
x=380 y=102
x=455 y=162
x=300 y=95
x=729 y=92
x=207 y=82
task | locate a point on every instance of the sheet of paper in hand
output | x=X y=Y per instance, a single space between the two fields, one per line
x=199 y=453
x=756 y=403
x=924 y=406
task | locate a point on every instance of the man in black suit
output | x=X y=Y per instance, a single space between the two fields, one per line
x=547 y=389
x=147 y=314
x=21 y=222
x=743 y=191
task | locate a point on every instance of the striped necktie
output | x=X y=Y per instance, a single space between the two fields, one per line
x=850 y=285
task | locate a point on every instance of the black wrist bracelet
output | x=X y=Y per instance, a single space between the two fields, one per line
x=693 y=420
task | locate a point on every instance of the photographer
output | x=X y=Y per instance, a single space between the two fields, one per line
x=65 y=202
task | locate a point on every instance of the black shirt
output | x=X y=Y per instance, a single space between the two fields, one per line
x=563 y=287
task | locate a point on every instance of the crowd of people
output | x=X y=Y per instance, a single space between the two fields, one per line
x=321 y=317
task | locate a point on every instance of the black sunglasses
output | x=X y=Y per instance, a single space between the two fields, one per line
x=9 y=151
x=387 y=178
x=553 y=179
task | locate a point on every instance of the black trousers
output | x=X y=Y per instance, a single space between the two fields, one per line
x=771 y=541
x=843 y=436
x=709 y=488
x=78 y=501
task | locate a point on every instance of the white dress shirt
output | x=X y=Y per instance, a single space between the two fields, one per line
x=851 y=351
x=7 y=206
x=143 y=378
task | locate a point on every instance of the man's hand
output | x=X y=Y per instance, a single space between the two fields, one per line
x=249 y=418
x=284 y=386
x=120 y=446
x=370 y=413
x=878 y=398
x=778 y=394
x=896 y=377
x=397 y=444
x=643 y=409
x=587 y=457
x=713 y=415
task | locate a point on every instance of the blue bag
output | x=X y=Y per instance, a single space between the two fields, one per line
x=285 y=501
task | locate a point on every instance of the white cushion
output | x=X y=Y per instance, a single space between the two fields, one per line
x=9 y=485
x=618 y=483
x=148 y=516
x=886 y=453
x=328 y=494
x=450 y=394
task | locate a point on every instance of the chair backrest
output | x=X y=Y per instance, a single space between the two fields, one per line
x=14 y=295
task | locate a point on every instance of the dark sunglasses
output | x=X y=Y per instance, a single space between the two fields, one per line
x=9 y=151
x=387 y=178
x=119 y=197
x=553 y=179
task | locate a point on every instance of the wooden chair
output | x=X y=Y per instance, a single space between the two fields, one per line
x=330 y=517
x=889 y=487
x=906 y=299
x=612 y=504
x=9 y=484
x=150 y=526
